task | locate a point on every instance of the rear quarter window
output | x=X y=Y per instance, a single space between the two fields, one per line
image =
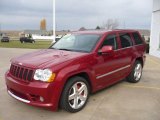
x=137 y=38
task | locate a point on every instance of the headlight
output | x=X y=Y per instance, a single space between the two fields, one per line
x=45 y=75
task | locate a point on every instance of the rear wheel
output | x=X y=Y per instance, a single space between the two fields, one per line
x=136 y=73
x=75 y=94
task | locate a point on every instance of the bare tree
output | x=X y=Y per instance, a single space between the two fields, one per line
x=111 y=24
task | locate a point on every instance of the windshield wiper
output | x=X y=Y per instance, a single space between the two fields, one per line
x=65 y=49
x=70 y=50
x=61 y=49
x=81 y=51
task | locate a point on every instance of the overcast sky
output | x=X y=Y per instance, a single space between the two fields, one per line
x=25 y=14
x=73 y=14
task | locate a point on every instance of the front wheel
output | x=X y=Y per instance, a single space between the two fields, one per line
x=136 y=73
x=75 y=94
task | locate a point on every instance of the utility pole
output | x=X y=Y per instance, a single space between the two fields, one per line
x=54 y=19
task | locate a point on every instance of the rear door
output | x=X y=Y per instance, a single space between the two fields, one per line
x=126 y=53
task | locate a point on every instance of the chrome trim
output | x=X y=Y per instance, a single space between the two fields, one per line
x=128 y=47
x=123 y=48
x=106 y=74
x=18 y=98
x=138 y=44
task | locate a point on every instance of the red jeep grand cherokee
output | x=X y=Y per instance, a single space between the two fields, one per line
x=78 y=64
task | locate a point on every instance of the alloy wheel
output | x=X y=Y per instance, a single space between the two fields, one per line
x=78 y=95
x=138 y=72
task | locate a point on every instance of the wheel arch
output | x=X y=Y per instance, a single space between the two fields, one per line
x=84 y=75
x=141 y=60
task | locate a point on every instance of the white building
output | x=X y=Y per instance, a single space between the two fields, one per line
x=155 y=30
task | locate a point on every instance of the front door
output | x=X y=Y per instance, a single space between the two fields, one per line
x=108 y=65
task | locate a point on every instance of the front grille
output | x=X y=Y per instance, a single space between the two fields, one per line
x=21 y=73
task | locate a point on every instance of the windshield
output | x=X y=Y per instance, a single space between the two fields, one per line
x=77 y=42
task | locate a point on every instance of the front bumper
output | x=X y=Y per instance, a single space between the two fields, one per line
x=34 y=93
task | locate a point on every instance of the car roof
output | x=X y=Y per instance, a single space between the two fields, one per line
x=102 y=31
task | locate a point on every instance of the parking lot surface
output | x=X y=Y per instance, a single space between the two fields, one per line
x=122 y=101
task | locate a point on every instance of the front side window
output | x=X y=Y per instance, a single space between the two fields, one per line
x=111 y=40
x=125 y=40
x=77 y=42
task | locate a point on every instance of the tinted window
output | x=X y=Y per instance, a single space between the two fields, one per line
x=137 y=39
x=111 y=40
x=125 y=40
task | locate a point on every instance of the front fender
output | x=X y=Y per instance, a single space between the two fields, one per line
x=64 y=74
x=70 y=71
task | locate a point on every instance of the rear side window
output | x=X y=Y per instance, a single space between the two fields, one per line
x=111 y=40
x=137 y=38
x=125 y=40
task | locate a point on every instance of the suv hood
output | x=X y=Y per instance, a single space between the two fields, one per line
x=43 y=58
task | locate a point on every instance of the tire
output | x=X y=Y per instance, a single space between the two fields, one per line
x=72 y=90
x=136 y=73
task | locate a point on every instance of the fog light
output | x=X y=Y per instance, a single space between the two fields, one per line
x=41 y=99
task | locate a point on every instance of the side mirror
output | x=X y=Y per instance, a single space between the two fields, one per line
x=106 y=49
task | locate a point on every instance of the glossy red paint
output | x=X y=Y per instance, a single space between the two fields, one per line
x=67 y=64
